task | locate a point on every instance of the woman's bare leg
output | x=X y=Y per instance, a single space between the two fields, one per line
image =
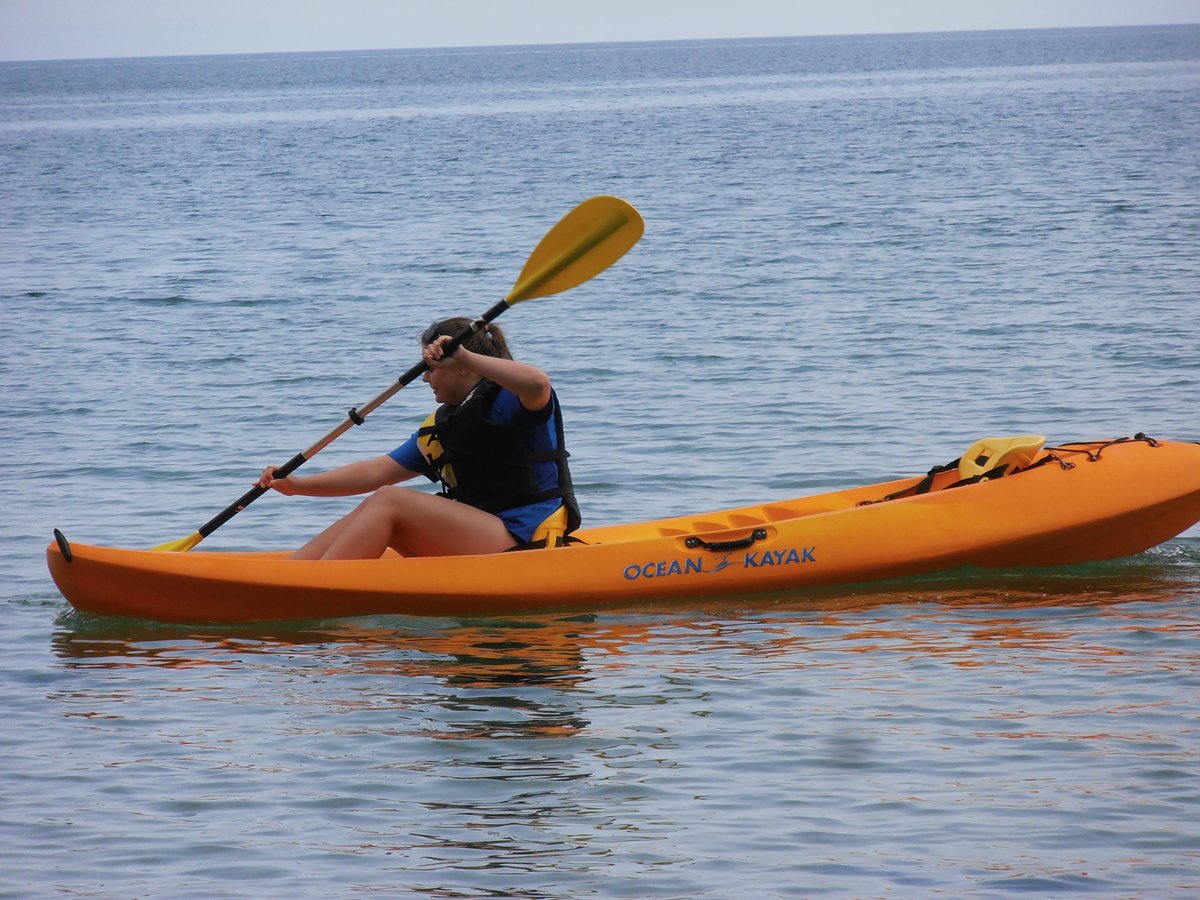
x=317 y=547
x=415 y=524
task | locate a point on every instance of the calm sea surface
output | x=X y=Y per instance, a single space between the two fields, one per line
x=861 y=255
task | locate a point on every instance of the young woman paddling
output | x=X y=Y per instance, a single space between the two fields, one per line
x=495 y=443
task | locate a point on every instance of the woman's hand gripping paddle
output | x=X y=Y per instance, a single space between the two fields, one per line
x=584 y=243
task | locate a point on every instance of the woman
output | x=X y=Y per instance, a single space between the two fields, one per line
x=495 y=443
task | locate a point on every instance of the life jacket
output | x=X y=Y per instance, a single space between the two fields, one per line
x=487 y=465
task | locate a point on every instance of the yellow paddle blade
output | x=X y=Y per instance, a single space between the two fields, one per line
x=584 y=243
x=181 y=546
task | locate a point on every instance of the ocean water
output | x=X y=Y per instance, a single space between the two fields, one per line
x=861 y=254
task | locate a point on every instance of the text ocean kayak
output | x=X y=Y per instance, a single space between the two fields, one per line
x=1072 y=503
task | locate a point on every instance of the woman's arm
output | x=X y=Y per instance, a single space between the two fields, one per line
x=352 y=478
x=530 y=384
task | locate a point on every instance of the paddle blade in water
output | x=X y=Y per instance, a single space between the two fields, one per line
x=587 y=240
x=181 y=546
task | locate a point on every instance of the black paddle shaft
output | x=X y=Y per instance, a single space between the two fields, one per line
x=354 y=417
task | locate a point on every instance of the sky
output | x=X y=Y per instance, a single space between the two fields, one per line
x=82 y=29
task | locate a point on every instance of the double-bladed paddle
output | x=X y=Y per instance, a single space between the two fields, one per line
x=584 y=243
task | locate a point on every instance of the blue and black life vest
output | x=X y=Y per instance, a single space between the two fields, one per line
x=487 y=464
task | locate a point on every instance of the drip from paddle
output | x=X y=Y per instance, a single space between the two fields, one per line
x=584 y=243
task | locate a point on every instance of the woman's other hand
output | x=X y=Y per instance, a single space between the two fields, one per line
x=286 y=486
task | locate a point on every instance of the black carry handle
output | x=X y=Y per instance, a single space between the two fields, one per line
x=758 y=534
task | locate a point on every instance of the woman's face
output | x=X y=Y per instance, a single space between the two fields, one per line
x=449 y=384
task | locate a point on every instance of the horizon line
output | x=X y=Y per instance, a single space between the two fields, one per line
x=585 y=43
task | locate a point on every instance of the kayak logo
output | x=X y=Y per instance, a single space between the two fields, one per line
x=694 y=565
x=779 y=557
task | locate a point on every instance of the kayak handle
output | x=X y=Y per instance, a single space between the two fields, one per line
x=63 y=547
x=757 y=534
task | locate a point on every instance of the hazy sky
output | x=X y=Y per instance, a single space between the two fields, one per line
x=67 y=29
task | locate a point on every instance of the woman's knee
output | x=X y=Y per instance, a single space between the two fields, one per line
x=390 y=498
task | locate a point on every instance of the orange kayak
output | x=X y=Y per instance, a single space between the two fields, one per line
x=1072 y=503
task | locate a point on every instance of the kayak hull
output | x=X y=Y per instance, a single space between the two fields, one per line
x=1084 y=502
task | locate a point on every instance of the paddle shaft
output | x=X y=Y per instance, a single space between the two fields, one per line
x=355 y=417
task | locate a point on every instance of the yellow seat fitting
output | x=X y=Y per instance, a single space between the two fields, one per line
x=992 y=452
x=552 y=528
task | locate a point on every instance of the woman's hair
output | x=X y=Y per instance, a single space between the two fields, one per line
x=487 y=341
